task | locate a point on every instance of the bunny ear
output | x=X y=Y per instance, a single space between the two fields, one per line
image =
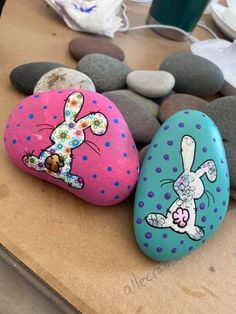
x=208 y=168
x=188 y=151
x=73 y=105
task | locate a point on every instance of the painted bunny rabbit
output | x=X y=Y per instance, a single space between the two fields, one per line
x=56 y=160
x=181 y=216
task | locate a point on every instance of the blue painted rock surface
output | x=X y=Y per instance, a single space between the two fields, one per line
x=183 y=189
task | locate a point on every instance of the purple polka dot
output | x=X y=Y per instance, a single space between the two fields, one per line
x=146 y=244
x=170 y=142
x=107 y=144
x=109 y=169
x=181 y=242
x=20 y=107
x=226 y=174
x=155 y=145
x=148 y=235
x=218 y=189
x=18 y=125
x=116 y=121
x=45 y=107
x=36 y=96
x=224 y=203
x=186 y=112
x=110 y=107
x=166 y=127
x=123 y=135
x=164 y=235
x=211 y=227
x=198 y=126
x=159 y=206
x=94 y=176
x=166 y=157
x=149 y=157
x=214 y=139
x=144 y=178
x=158 y=170
x=190 y=248
x=128 y=172
x=102 y=191
x=94 y=101
x=159 y=249
x=222 y=161
x=202 y=206
x=203 y=218
x=31 y=116
x=116 y=197
x=215 y=210
x=129 y=187
x=125 y=155
x=150 y=194
x=141 y=204
x=167 y=196
x=181 y=125
x=139 y=221
x=220 y=217
x=116 y=183
x=28 y=138
x=174 y=250
x=203 y=241
x=54 y=117
x=85 y=158
x=14 y=141
x=175 y=169
x=204 y=149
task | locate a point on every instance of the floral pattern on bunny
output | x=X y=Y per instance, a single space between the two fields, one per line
x=181 y=216
x=56 y=160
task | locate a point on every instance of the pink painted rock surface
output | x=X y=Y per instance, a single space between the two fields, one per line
x=76 y=139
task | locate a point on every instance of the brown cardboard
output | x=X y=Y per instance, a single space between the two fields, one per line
x=87 y=253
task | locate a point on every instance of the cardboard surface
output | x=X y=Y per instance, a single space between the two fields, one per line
x=88 y=253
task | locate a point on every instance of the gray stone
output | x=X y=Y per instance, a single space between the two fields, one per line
x=63 y=78
x=194 y=75
x=160 y=100
x=151 y=84
x=142 y=153
x=130 y=96
x=223 y=113
x=178 y=102
x=106 y=72
x=141 y=122
x=25 y=76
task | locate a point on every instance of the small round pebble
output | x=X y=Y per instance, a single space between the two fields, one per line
x=178 y=102
x=106 y=72
x=82 y=46
x=135 y=99
x=193 y=75
x=25 y=76
x=63 y=78
x=141 y=122
x=151 y=84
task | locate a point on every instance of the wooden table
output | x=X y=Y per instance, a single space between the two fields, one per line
x=86 y=253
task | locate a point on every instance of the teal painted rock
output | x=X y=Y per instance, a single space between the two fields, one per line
x=183 y=189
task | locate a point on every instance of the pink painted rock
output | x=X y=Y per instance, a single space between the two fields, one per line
x=76 y=139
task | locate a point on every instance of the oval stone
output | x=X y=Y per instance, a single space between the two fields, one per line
x=75 y=139
x=107 y=73
x=25 y=76
x=193 y=75
x=223 y=112
x=82 y=46
x=141 y=122
x=178 y=102
x=183 y=189
x=151 y=84
x=63 y=78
